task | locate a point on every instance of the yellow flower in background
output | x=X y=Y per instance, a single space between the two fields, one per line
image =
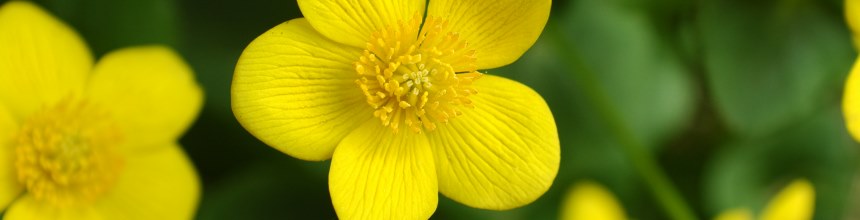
x=85 y=141
x=396 y=100
x=851 y=101
x=852 y=17
x=851 y=98
x=589 y=200
x=794 y=202
x=735 y=214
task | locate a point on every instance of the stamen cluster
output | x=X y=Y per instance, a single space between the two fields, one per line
x=419 y=77
x=66 y=154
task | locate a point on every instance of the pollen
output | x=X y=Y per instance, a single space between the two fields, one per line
x=66 y=154
x=416 y=76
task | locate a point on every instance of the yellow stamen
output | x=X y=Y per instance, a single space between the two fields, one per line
x=66 y=154
x=417 y=77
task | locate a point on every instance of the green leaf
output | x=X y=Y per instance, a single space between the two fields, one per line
x=644 y=78
x=770 y=62
x=108 y=25
x=276 y=188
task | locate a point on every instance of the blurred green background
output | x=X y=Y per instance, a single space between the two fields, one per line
x=735 y=98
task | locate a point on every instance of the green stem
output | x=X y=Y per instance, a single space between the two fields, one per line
x=643 y=161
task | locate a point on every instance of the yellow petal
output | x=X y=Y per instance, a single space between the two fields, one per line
x=376 y=174
x=591 y=201
x=28 y=208
x=295 y=90
x=499 y=31
x=9 y=187
x=502 y=154
x=851 y=101
x=42 y=60
x=856 y=39
x=852 y=17
x=159 y=184
x=735 y=214
x=351 y=22
x=795 y=202
x=150 y=92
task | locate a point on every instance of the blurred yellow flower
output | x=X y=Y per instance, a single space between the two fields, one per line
x=852 y=17
x=851 y=98
x=794 y=202
x=589 y=200
x=396 y=101
x=84 y=141
x=735 y=214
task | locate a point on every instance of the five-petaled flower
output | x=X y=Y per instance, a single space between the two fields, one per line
x=591 y=201
x=392 y=94
x=796 y=201
x=85 y=141
x=851 y=95
x=588 y=200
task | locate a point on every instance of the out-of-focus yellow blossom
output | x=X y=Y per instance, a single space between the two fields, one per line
x=851 y=101
x=851 y=97
x=735 y=214
x=794 y=202
x=588 y=200
x=852 y=17
x=395 y=99
x=591 y=201
x=85 y=141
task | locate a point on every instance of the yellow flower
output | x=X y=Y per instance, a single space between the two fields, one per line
x=794 y=202
x=852 y=17
x=396 y=101
x=589 y=200
x=851 y=98
x=85 y=141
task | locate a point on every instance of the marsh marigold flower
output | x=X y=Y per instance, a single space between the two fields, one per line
x=851 y=97
x=591 y=201
x=396 y=100
x=794 y=202
x=588 y=200
x=852 y=18
x=85 y=141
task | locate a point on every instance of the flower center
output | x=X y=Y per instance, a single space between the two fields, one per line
x=66 y=154
x=418 y=76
